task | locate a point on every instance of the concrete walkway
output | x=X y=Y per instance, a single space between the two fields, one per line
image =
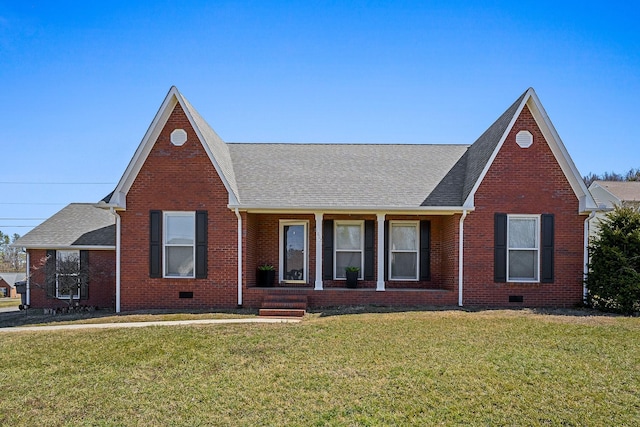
x=145 y=324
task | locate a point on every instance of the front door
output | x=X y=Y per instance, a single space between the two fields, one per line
x=293 y=251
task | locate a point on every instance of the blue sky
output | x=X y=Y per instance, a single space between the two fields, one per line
x=81 y=81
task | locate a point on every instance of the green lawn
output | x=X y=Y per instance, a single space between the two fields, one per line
x=413 y=368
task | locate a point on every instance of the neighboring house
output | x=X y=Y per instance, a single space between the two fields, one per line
x=608 y=194
x=500 y=222
x=8 y=284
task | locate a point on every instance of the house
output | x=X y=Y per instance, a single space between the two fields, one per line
x=500 y=222
x=81 y=230
x=608 y=194
x=8 y=284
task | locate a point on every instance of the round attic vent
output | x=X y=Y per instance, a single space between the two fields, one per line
x=178 y=137
x=524 y=139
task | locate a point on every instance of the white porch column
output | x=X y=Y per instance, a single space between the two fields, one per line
x=318 y=285
x=380 y=283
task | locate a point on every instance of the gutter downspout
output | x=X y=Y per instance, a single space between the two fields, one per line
x=28 y=299
x=239 y=257
x=586 y=255
x=461 y=257
x=117 y=259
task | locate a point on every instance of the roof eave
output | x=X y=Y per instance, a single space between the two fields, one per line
x=419 y=210
x=71 y=248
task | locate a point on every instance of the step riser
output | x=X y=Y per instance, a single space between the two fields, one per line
x=281 y=312
x=300 y=306
x=293 y=298
x=284 y=305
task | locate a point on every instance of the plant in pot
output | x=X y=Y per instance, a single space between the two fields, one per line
x=266 y=275
x=352 y=274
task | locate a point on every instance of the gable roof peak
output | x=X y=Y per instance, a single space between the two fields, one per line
x=214 y=146
x=484 y=150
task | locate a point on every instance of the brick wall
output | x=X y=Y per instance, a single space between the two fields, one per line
x=178 y=179
x=102 y=283
x=524 y=181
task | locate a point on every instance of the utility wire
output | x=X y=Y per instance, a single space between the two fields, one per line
x=55 y=183
x=32 y=203
x=22 y=219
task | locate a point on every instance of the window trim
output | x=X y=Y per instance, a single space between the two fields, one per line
x=336 y=224
x=416 y=226
x=68 y=296
x=282 y=224
x=537 y=248
x=166 y=245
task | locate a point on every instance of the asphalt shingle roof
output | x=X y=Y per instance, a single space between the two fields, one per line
x=341 y=175
x=12 y=278
x=626 y=191
x=299 y=176
x=78 y=224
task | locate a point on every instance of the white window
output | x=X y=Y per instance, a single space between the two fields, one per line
x=349 y=244
x=179 y=249
x=523 y=248
x=67 y=274
x=403 y=250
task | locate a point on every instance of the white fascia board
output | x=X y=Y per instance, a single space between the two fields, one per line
x=469 y=203
x=365 y=210
x=232 y=196
x=173 y=98
x=71 y=248
x=587 y=204
x=144 y=148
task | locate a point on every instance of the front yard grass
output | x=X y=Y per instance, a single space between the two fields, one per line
x=9 y=302
x=411 y=368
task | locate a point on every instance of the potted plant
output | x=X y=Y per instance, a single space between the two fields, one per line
x=352 y=276
x=266 y=275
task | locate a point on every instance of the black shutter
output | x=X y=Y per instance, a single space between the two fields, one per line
x=369 y=249
x=546 y=275
x=386 y=250
x=84 y=274
x=500 y=248
x=201 y=244
x=425 y=250
x=50 y=274
x=155 y=244
x=327 y=249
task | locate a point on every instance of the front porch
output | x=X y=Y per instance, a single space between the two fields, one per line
x=393 y=252
x=332 y=297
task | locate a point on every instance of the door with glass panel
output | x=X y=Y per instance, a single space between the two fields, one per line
x=293 y=253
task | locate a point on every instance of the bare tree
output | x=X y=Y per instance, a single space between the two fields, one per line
x=66 y=276
x=11 y=258
x=631 y=175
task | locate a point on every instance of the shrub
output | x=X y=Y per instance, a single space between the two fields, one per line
x=614 y=268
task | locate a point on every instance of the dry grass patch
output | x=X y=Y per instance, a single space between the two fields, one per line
x=9 y=302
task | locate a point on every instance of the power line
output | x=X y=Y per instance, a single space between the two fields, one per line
x=22 y=219
x=33 y=203
x=55 y=183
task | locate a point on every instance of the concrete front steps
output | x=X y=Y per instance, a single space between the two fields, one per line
x=283 y=305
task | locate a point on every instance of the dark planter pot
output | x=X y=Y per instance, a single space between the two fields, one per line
x=352 y=279
x=265 y=278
